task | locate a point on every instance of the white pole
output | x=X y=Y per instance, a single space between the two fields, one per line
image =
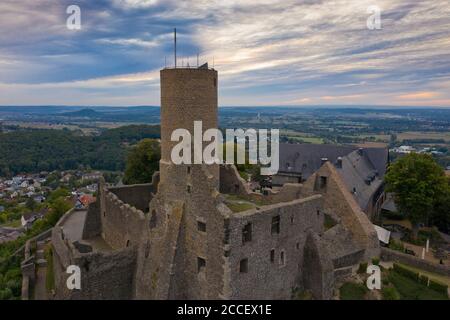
x=423 y=253
x=428 y=245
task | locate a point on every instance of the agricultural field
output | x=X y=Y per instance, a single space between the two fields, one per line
x=412 y=135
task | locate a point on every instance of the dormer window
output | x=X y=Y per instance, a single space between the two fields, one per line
x=322 y=182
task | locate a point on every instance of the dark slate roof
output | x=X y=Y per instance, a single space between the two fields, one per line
x=359 y=165
x=379 y=158
x=360 y=177
x=389 y=204
x=307 y=158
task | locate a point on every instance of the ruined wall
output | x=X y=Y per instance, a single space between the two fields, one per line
x=288 y=192
x=281 y=179
x=341 y=246
x=318 y=271
x=266 y=279
x=231 y=182
x=103 y=275
x=121 y=223
x=93 y=223
x=138 y=195
x=107 y=276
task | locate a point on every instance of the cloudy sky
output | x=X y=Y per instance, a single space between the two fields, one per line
x=267 y=52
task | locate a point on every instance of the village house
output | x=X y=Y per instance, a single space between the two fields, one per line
x=28 y=219
x=39 y=199
x=9 y=234
x=92 y=176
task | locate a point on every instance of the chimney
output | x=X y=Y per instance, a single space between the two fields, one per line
x=323 y=160
x=339 y=163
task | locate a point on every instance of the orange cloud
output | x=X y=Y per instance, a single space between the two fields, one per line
x=419 y=95
x=347 y=97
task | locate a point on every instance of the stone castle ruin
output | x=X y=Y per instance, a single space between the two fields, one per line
x=198 y=232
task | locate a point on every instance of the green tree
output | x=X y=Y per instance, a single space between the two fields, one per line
x=417 y=182
x=142 y=162
x=441 y=211
x=58 y=193
x=30 y=204
x=58 y=208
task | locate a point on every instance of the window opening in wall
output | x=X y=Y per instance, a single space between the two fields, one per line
x=323 y=182
x=275 y=225
x=282 y=258
x=247 y=233
x=201 y=264
x=243 y=266
x=272 y=255
x=201 y=226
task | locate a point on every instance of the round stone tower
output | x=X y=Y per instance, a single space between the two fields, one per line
x=187 y=95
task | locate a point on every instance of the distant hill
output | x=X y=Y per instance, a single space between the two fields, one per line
x=48 y=150
x=84 y=113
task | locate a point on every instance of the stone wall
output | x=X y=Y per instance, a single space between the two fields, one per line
x=396 y=256
x=348 y=260
x=281 y=179
x=318 y=271
x=266 y=279
x=105 y=275
x=339 y=202
x=288 y=192
x=28 y=267
x=172 y=241
x=93 y=223
x=138 y=196
x=231 y=182
x=121 y=223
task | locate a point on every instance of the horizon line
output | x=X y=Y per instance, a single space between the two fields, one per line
x=239 y=106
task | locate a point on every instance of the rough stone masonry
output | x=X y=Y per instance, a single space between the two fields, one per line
x=198 y=232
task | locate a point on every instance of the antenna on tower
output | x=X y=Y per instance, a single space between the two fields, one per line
x=165 y=61
x=197 y=60
x=175 y=46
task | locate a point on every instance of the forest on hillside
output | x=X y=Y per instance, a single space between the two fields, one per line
x=33 y=150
